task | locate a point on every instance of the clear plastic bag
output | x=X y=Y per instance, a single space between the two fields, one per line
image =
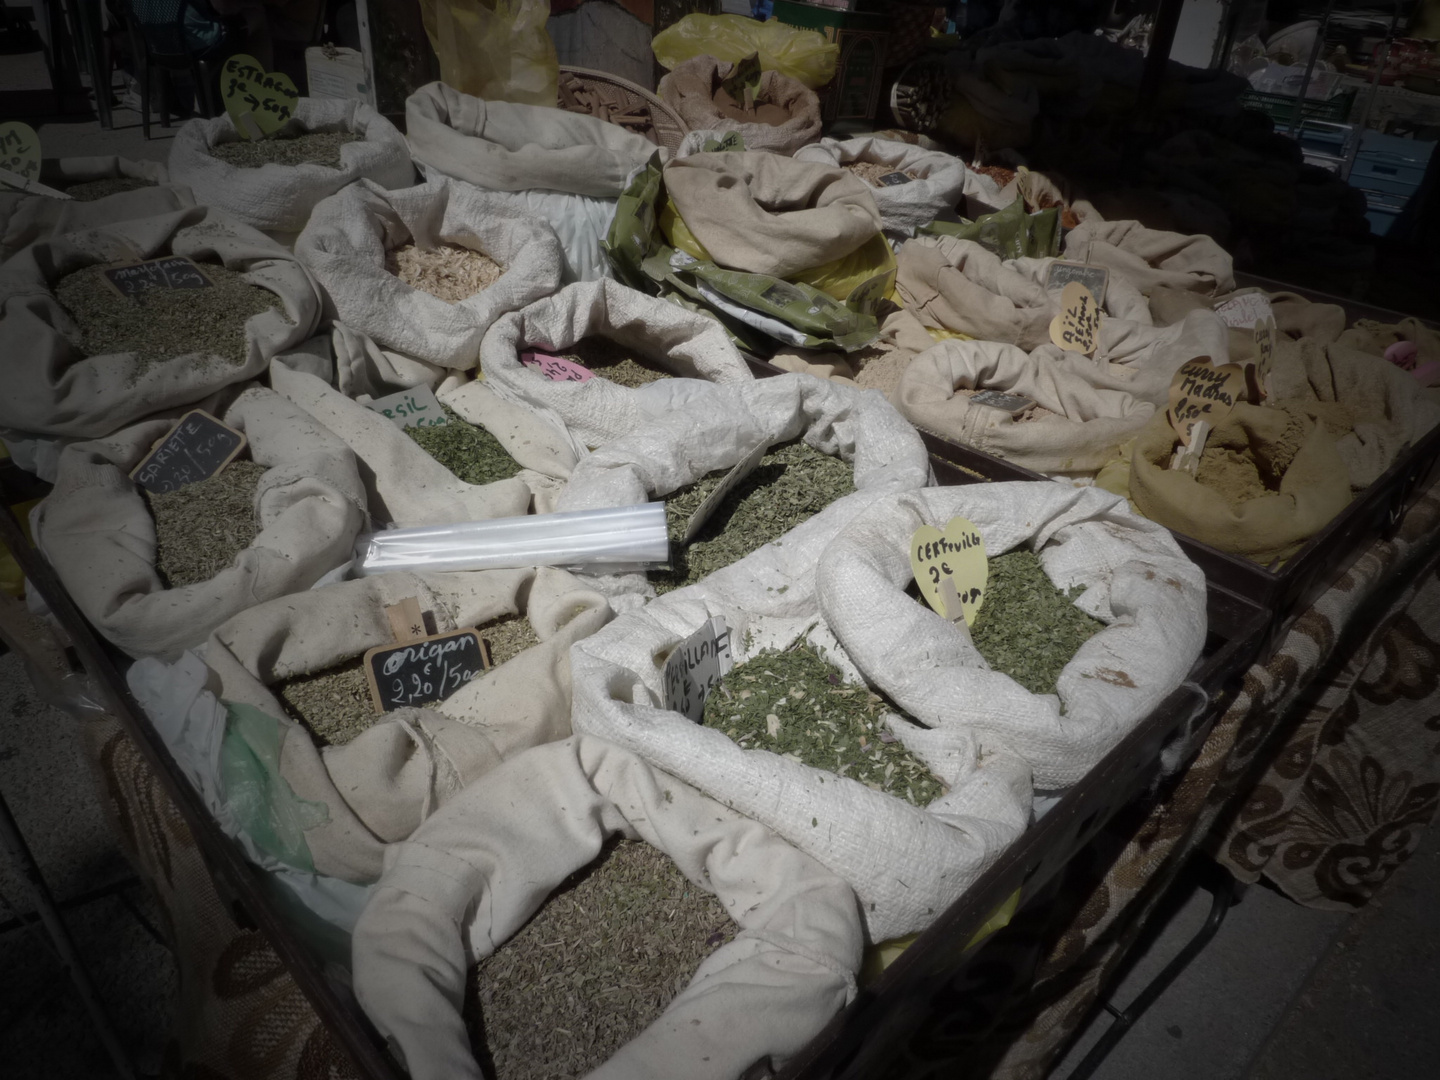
x=498 y=50
x=803 y=55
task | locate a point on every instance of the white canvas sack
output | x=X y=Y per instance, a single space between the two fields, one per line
x=1135 y=578
x=349 y=234
x=719 y=426
x=1087 y=429
x=940 y=185
x=405 y=486
x=906 y=864
x=475 y=872
x=280 y=197
x=55 y=390
x=505 y=146
x=379 y=786
x=593 y=412
x=97 y=531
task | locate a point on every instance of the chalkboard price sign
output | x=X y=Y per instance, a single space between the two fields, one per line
x=424 y=670
x=171 y=272
x=196 y=448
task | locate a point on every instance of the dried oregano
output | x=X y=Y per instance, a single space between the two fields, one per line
x=466 y=449
x=792 y=702
x=612 y=361
x=335 y=704
x=90 y=190
x=792 y=483
x=201 y=527
x=161 y=324
x=595 y=966
x=310 y=148
x=1026 y=627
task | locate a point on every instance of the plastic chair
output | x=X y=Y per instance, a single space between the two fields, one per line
x=158 y=40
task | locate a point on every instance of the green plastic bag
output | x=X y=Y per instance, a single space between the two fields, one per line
x=804 y=55
x=1010 y=233
x=263 y=803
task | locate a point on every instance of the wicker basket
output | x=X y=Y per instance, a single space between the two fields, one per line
x=669 y=128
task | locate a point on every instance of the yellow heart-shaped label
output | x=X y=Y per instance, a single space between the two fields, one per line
x=1201 y=390
x=1077 y=327
x=951 y=568
x=258 y=102
x=20 y=150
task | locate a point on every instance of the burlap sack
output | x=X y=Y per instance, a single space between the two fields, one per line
x=473 y=874
x=379 y=786
x=405 y=486
x=349 y=234
x=1149 y=257
x=1313 y=483
x=690 y=90
x=1294 y=314
x=97 y=531
x=940 y=179
x=27 y=218
x=765 y=214
x=1085 y=427
x=504 y=146
x=1374 y=337
x=597 y=410
x=1142 y=360
x=55 y=390
x=875 y=367
x=281 y=197
x=957 y=285
x=362 y=369
x=906 y=864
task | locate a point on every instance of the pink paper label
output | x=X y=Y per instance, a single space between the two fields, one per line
x=556 y=368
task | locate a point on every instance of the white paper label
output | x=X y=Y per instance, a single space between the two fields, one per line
x=715 y=498
x=416 y=407
x=1245 y=310
x=695 y=667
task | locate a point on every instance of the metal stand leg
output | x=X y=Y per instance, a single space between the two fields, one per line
x=1223 y=892
x=19 y=852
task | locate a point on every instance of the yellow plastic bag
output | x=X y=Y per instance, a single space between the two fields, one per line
x=804 y=55
x=498 y=50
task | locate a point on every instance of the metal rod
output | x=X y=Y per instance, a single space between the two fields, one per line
x=1310 y=67
x=14 y=844
x=1377 y=66
x=1157 y=57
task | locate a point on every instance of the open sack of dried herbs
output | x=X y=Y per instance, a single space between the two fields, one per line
x=819 y=443
x=286 y=745
x=85 y=358
x=102 y=190
x=506 y=146
x=701 y=945
x=425 y=270
x=1273 y=474
x=1071 y=426
x=911 y=185
x=619 y=350
x=783 y=116
x=274 y=183
x=487 y=459
x=155 y=572
x=896 y=748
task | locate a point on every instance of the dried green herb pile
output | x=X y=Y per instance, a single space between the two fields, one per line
x=792 y=483
x=201 y=527
x=310 y=148
x=467 y=450
x=161 y=324
x=1026 y=627
x=611 y=361
x=335 y=704
x=596 y=965
x=90 y=190
x=792 y=702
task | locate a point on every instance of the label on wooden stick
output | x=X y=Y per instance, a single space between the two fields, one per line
x=195 y=449
x=424 y=670
x=1203 y=391
x=1062 y=273
x=1077 y=327
x=694 y=668
x=951 y=568
x=20 y=150
x=256 y=97
x=171 y=272
x=413 y=408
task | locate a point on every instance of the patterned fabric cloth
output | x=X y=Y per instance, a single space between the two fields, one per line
x=238 y=1014
x=1339 y=805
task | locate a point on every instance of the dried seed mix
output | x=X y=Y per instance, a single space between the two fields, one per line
x=793 y=702
x=310 y=148
x=90 y=190
x=598 y=963
x=201 y=527
x=612 y=361
x=448 y=272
